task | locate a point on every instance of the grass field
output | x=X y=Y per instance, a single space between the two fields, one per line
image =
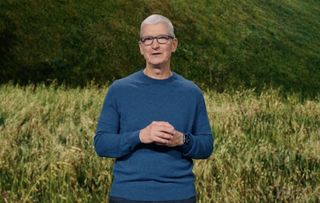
x=267 y=148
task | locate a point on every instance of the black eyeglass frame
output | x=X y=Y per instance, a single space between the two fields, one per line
x=143 y=39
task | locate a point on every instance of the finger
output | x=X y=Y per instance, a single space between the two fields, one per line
x=164 y=135
x=164 y=123
x=176 y=133
x=166 y=129
x=164 y=126
x=161 y=141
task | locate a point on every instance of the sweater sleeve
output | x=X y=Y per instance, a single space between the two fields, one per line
x=201 y=141
x=108 y=142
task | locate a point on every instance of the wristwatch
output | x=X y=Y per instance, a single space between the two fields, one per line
x=186 y=139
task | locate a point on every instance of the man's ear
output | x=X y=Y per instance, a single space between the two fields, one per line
x=174 y=44
x=141 y=48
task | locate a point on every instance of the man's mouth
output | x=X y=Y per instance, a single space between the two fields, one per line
x=155 y=54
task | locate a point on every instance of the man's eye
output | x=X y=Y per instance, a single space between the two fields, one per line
x=163 y=37
x=147 y=39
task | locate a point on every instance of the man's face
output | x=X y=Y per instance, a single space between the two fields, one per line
x=157 y=54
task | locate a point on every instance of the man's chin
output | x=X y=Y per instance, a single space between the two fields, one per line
x=157 y=64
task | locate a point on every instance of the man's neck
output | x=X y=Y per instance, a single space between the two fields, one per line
x=158 y=73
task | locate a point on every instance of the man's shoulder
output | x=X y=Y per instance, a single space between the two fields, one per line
x=188 y=85
x=125 y=81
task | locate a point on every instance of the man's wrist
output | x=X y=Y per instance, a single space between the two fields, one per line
x=141 y=136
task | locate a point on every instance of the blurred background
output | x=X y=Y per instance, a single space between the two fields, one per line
x=223 y=44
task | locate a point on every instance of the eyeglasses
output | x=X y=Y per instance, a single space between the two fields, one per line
x=161 y=39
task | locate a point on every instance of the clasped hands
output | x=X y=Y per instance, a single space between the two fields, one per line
x=161 y=133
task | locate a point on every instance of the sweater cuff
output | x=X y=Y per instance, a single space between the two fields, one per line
x=133 y=138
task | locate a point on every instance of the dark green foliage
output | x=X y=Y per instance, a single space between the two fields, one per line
x=222 y=44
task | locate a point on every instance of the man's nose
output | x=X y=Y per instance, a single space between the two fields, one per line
x=155 y=44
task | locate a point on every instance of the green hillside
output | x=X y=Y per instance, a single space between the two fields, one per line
x=223 y=44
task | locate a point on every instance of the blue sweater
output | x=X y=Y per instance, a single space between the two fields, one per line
x=149 y=172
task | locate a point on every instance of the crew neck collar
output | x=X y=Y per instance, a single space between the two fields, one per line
x=147 y=78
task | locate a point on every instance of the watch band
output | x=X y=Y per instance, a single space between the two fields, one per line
x=186 y=139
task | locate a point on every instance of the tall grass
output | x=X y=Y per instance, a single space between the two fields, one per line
x=267 y=148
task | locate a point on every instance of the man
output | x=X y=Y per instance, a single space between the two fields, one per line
x=154 y=122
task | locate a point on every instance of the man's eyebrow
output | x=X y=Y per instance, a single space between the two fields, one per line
x=161 y=35
x=147 y=36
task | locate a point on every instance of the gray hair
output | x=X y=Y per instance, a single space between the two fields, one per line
x=155 y=19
